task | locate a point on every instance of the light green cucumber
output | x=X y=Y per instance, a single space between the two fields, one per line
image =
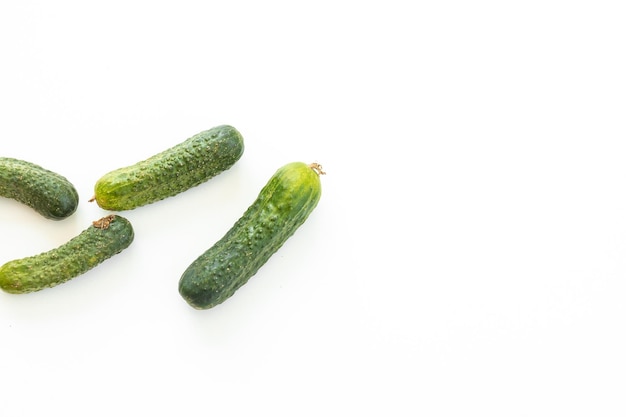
x=170 y=172
x=281 y=207
x=100 y=241
x=49 y=193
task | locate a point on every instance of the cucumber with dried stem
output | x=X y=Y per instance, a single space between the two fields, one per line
x=100 y=241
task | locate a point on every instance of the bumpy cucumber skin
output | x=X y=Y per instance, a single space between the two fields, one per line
x=80 y=254
x=282 y=206
x=172 y=171
x=49 y=193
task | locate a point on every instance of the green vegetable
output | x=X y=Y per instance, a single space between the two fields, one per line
x=100 y=241
x=49 y=193
x=172 y=171
x=282 y=206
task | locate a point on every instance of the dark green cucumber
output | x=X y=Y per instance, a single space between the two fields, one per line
x=282 y=206
x=100 y=241
x=49 y=193
x=172 y=171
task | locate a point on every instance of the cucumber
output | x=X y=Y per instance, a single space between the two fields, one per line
x=49 y=193
x=170 y=172
x=282 y=206
x=100 y=241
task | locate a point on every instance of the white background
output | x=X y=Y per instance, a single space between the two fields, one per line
x=468 y=255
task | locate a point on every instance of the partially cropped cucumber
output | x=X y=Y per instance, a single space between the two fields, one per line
x=172 y=171
x=100 y=241
x=49 y=193
x=282 y=206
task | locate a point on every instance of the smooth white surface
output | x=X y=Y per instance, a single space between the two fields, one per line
x=468 y=255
